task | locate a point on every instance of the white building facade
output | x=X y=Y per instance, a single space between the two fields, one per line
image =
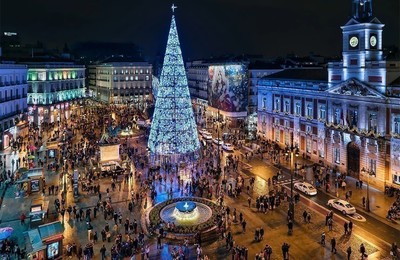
x=122 y=83
x=55 y=89
x=13 y=95
x=347 y=117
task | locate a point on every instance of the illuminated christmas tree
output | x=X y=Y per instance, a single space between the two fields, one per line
x=173 y=135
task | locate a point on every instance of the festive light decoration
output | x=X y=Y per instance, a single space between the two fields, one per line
x=173 y=131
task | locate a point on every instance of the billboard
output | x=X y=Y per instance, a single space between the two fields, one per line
x=109 y=152
x=227 y=87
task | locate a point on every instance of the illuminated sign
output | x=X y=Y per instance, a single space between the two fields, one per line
x=227 y=87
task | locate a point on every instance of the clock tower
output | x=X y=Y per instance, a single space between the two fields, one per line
x=362 y=49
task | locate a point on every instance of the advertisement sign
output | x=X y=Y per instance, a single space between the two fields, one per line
x=227 y=87
x=109 y=153
x=34 y=185
x=53 y=250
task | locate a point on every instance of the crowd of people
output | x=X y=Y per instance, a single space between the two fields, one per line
x=118 y=229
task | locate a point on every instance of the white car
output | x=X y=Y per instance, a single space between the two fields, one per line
x=227 y=147
x=305 y=187
x=218 y=141
x=342 y=205
x=207 y=136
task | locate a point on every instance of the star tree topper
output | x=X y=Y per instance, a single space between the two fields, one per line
x=173 y=7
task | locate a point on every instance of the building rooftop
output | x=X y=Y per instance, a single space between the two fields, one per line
x=312 y=74
x=261 y=65
x=123 y=59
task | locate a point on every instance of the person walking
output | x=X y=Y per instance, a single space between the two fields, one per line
x=103 y=252
x=244 y=226
x=348 y=251
x=346 y=228
x=285 y=251
x=330 y=224
x=249 y=201
x=333 y=245
x=323 y=238
x=362 y=251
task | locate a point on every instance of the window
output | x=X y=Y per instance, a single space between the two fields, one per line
x=277 y=134
x=136 y=78
x=287 y=106
x=322 y=112
x=147 y=77
x=321 y=153
x=308 y=129
x=277 y=121
x=298 y=108
x=287 y=138
x=396 y=125
x=336 y=116
x=277 y=105
x=336 y=155
x=264 y=103
x=309 y=111
x=396 y=178
x=263 y=120
x=287 y=123
x=352 y=118
x=372 y=166
x=372 y=122
x=308 y=145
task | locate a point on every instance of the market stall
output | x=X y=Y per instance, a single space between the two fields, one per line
x=45 y=242
x=39 y=208
x=29 y=182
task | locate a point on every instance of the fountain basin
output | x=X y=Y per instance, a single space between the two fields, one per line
x=186 y=213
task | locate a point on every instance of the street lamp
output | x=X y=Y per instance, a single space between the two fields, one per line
x=291 y=152
x=369 y=173
x=219 y=158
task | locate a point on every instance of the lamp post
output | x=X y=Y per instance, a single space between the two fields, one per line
x=291 y=152
x=218 y=145
x=369 y=173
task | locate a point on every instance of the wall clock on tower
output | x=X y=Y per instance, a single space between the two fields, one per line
x=373 y=41
x=353 y=41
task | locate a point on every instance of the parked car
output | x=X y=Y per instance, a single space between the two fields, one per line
x=342 y=205
x=227 y=147
x=305 y=187
x=207 y=136
x=218 y=141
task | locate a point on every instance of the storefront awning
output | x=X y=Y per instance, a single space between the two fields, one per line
x=48 y=230
x=35 y=172
x=34 y=242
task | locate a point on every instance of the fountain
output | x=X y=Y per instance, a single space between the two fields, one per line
x=186 y=211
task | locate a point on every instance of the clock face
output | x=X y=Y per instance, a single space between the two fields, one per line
x=372 y=41
x=353 y=41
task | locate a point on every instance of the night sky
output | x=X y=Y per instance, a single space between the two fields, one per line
x=206 y=27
